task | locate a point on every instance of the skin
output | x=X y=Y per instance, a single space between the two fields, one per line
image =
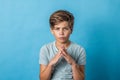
x=61 y=33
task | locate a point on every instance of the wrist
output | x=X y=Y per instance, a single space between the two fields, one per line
x=51 y=66
x=74 y=65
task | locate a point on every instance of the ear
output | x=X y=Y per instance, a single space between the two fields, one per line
x=71 y=30
x=51 y=30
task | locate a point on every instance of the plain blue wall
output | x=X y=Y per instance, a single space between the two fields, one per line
x=24 y=28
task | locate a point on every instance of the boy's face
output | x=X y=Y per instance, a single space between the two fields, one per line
x=61 y=32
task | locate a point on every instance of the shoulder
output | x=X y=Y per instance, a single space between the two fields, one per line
x=47 y=46
x=77 y=49
x=77 y=46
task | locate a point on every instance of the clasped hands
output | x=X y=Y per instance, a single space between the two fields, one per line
x=62 y=53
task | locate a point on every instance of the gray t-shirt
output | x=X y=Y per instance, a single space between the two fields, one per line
x=62 y=70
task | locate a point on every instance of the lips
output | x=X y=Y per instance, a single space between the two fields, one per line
x=62 y=38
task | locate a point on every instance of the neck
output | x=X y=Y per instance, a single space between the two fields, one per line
x=59 y=45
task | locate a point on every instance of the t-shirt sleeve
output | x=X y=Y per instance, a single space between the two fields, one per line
x=43 y=56
x=82 y=57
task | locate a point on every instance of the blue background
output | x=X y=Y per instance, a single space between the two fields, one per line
x=24 y=28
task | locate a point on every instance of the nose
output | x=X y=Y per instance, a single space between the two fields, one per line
x=61 y=32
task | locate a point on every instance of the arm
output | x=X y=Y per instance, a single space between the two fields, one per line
x=46 y=70
x=77 y=70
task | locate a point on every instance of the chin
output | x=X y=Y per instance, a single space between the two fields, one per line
x=64 y=41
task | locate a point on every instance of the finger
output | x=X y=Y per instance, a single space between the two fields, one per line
x=66 y=58
x=64 y=54
x=61 y=49
x=58 y=54
x=64 y=49
x=62 y=46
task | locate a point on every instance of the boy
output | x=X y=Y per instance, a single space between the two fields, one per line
x=62 y=59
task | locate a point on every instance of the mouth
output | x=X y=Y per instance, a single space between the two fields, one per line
x=61 y=38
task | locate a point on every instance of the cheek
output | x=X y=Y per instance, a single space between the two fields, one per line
x=68 y=34
x=56 y=34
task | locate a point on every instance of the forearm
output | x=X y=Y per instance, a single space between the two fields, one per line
x=77 y=74
x=46 y=74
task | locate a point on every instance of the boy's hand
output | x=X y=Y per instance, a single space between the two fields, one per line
x=67 y=57
x=55 y=59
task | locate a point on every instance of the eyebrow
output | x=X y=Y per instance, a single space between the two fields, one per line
x=59 y=26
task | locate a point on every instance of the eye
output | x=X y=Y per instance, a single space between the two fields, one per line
x=56 y=28
x=66 y=28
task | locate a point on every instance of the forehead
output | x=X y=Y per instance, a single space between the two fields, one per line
x=62 y=24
